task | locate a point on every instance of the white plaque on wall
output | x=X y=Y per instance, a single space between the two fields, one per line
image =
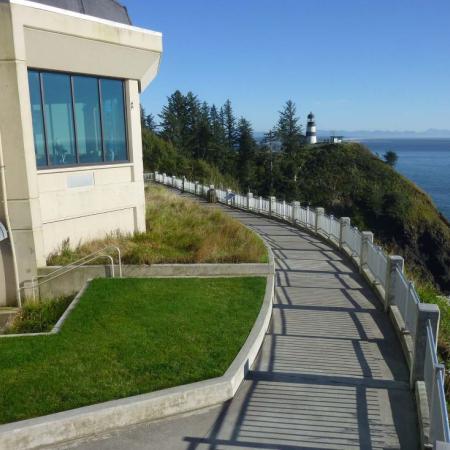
x=80 y=180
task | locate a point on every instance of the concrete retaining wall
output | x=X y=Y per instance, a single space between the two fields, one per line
x=73 y=281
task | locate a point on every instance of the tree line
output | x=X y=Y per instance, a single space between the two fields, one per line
x=209 y=143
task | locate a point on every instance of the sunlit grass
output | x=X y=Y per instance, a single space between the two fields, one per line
x=179 y=230
x=127 y=337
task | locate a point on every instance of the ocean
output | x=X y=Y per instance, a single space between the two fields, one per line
x=424 y=161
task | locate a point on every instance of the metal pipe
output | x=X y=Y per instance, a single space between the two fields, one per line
x=8 y=225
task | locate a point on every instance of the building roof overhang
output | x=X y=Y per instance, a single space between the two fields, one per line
x=57 y=39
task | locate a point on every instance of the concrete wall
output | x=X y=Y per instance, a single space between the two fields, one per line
x=73 y=281
x=43 y=209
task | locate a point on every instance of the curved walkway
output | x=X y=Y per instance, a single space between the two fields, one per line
x=331 y=373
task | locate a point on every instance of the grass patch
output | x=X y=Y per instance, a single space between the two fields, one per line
x=179 y=230
x=127 y=337
x=38 y=317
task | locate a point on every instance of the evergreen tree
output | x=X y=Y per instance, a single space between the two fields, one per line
x=288 y=129
x=229 y=122
x=217 y=127
x=390 y=158
x=193 y=119
x=150 y=122
x=246 y=153
x=174 y=121
x=203 y=133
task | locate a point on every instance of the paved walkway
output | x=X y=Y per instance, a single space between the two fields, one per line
x=331 y=374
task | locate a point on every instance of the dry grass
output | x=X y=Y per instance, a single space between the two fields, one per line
x=178 y=231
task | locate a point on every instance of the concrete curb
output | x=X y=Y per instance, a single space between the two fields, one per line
x=57 y=327
x=81 y=422
x=423 y=414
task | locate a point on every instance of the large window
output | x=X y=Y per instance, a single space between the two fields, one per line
x=77 y=119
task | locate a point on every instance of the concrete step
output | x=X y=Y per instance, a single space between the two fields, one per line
x=6 y=314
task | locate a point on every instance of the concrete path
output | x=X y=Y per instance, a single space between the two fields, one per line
x=331 y=373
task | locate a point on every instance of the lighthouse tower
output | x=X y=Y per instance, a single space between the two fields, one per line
x=311 y=137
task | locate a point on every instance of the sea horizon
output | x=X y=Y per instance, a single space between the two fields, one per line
x=424 y=161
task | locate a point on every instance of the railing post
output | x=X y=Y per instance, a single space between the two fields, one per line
x=426 y=312
x=156 y=176
x=319 y=213
x=272 y=207
x=295 y=210
x=211 y=195
x=164 y=178
x=260 y=204
x=228 y=197
x=183 y=185
x=284 y=209
x=345 y=222
x=196 y=188
x=249 y=200
x=366 y=238
x=394 y=262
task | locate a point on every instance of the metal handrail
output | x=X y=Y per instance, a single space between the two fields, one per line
x=102 y=253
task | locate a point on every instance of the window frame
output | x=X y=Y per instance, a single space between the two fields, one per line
x=98 y=78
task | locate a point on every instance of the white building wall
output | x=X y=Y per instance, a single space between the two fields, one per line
x=48 y=206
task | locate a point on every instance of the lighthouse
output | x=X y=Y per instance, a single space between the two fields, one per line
x=311 y=136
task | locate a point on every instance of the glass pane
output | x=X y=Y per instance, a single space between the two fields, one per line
x=38 y=120
x=87 y=119
x=113 y=120
x=59 y=119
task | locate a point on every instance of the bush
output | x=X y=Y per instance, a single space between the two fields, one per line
x=39 y=316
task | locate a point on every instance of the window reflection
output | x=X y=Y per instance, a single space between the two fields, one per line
x=77 y=119
x=113 y=120
x=38 y=120
x=59 y=119
x=87 y=119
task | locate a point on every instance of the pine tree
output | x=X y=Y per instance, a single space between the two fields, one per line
x=193 y=123
x=246 y=153
x=217 y=128
x=203 y=133
x=229 y=122
x=174 y=121
x=288 y=129
x=150 y=122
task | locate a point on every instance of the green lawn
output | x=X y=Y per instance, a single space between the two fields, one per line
x=127 y=337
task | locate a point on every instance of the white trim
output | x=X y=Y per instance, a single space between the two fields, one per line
x=74 y=14
x=89 y=214
x=82 y=168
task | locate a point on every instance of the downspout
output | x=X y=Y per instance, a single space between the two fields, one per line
x=8 y=224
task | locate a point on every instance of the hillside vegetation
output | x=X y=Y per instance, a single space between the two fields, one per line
x=348 y=180
x=210 y=144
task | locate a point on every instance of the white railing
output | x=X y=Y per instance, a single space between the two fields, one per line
x=407 y=301
x=352 y=237
x=397 y=290
x=434 y=382
x=377 y=263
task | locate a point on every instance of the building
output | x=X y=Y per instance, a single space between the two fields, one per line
x=311 y=132
x=70 y=133
x=336 y=139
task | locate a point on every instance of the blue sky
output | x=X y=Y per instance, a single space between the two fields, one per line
x=358 y=64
